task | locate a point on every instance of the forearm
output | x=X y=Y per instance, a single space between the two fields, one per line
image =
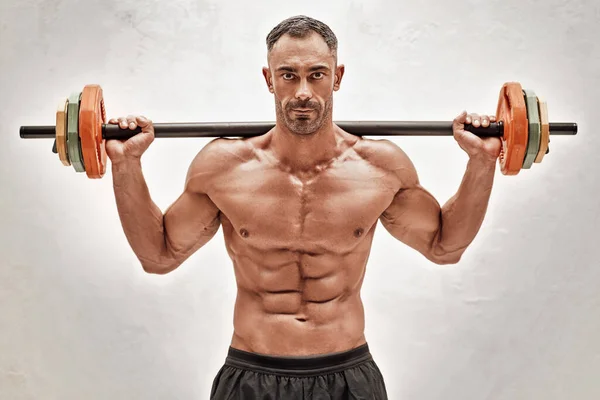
x=140 y=217
x=463 y=214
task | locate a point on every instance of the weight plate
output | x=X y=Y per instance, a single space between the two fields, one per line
x=73 y=143
x=545 y=136
x=91 y=117
x=533 y=117
x=61 y=132
x=512 y=111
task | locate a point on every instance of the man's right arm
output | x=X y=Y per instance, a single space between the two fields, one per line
x=162 y=242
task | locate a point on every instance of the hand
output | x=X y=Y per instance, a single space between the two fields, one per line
x=135 y=146
x=486 y=148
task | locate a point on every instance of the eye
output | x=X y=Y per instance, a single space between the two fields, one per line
x=318 y=75
x=288 y=76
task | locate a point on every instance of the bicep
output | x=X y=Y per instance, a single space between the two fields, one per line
x=193 y=219
x=413 y=215
x=414 y=218
x=189 y=223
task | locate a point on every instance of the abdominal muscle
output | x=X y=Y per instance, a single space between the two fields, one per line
x=299 y=243
x=294 y=302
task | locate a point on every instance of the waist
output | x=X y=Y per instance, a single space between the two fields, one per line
x=299 y=365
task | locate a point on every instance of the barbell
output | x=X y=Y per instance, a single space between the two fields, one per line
x=81 y=131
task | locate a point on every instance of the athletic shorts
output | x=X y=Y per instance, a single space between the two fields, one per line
x=351 y=374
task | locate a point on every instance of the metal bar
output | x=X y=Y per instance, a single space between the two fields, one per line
x=249 y=129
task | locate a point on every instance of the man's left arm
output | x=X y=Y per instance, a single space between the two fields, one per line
x=442 y=234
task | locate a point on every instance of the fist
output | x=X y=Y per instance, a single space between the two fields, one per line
x=486 y=148
x=135 y=146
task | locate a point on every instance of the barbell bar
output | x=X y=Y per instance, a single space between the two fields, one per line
x=81 y=130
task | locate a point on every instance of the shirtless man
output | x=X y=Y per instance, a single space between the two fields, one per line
x=298 y=207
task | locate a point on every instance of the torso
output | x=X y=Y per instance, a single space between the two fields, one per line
x=299 y=243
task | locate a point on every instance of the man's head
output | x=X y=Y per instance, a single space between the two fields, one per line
x=303 y=73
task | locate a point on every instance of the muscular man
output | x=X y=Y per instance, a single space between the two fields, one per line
x=298 y=207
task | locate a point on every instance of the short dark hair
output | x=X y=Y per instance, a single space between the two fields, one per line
x=301 y=26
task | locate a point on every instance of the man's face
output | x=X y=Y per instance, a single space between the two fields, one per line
x=303 y=74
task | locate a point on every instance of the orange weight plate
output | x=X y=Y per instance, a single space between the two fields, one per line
x=512 y=111
x=91 y=117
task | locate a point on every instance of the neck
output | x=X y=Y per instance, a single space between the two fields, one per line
x=305 y=152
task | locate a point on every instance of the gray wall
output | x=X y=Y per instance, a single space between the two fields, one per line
x=516 y=319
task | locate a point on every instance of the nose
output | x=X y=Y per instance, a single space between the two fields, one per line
x=303 y=93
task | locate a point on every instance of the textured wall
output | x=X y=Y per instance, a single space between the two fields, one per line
x=517 y=319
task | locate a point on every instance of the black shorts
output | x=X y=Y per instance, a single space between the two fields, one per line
x=351 y=374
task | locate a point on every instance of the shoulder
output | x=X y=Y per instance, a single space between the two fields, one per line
x=389 y=157
x=223 y=152
x=216 y=158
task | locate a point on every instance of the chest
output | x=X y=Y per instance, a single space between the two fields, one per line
x=329 y=211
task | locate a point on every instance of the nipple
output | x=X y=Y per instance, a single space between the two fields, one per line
x=358 y=232
x=244 y=233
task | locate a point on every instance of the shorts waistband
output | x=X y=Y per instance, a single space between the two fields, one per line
x=298 y=365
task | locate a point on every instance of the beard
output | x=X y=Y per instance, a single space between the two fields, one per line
x=303 y=124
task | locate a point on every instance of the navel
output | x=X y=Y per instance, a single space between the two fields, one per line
x=359 y=232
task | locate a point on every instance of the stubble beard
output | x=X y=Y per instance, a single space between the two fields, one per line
x=303 y=125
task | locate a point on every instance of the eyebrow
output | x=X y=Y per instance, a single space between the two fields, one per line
x=317 y=67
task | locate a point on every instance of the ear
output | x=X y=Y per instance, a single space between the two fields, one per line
x=339 y=74
x=268 y=78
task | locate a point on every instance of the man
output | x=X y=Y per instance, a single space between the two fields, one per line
x=298 y=207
